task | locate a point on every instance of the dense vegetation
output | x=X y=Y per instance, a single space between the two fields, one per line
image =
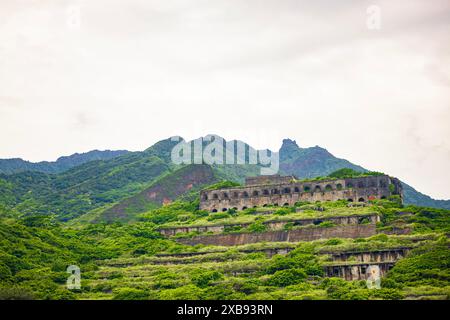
x=119 y=261
x=105 y=216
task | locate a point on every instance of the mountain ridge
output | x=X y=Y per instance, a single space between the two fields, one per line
x=95 y=184
x=63 y=163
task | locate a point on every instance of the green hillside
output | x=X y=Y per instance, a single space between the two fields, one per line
x=134 y=261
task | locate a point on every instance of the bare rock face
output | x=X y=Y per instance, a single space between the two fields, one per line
x=163 y=191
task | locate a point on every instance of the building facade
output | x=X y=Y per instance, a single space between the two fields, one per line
x=287 y=190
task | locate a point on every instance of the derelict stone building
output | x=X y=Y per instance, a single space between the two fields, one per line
x=287 y=190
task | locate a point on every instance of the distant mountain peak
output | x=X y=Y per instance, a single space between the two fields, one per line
x=288 y=143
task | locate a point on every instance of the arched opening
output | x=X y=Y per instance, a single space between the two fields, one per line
x=350 y=200
x=205 y=197
x=225 y=195
x=286 y=204
x=224 y=209
x=266 y=192
x=383 y=197
x=287 y=190
x=275 y=204
x=255 y=193
x=243 y=208
x=364 y=220
x=339 y=186
x=275 y=191
x=307 y=188
x=349 y=185
x=215 y=196
x=235 y=208
x=317 y=189
x=361 y=200
x=317 y=222
x=296 y=189
x=245 y=194
x=255 y=206
x=328 y=187
x=265 y=205
x=336 y=271
x=214 y=210
x=235 y=195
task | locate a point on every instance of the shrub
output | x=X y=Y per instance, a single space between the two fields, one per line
x=257 y=226
x=282 y=211
x=287 y=277
x=326 y=224
x=248 y=286
x=130 y=294
x=333 y=242
x=307 y=262
x=217 y=216
x=188 y=292
x=288 y=226
x=229 y=229
x=203 y=278
x=386 y=294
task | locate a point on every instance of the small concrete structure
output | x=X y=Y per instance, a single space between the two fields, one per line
x=358 y=271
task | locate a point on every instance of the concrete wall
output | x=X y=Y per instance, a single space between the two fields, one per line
x=304 y=234
x=275 y=225
x=386 y=255
x=352 y=189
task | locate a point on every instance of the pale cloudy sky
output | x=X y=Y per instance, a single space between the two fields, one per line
x=126 y=74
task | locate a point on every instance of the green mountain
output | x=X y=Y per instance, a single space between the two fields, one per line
x=127 y=184
x=83 y=188
x=15 y=165
x=310 y=162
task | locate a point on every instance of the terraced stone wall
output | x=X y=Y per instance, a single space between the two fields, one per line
x=275 y=225
x=304 y=234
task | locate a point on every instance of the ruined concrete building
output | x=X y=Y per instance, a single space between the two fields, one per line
x=279 y=190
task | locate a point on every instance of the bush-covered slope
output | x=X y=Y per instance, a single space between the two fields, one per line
x=85 y=187
x=133 y=261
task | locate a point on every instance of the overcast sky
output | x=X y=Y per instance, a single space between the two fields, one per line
x=125 y=74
